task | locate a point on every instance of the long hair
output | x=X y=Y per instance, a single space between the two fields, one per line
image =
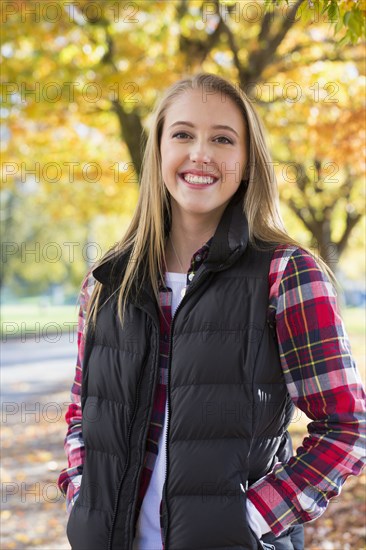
x=145 y=238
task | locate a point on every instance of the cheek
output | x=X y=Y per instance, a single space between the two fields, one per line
x=166 y=168
x=163 y=158
x=169 y=159
x=236 y=161
x=232 y=169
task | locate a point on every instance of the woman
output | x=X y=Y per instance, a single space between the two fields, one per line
x=206 y=324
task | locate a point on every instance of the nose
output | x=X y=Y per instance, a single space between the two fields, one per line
x=200 y=153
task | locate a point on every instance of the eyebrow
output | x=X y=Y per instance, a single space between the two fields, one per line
x=217 y=127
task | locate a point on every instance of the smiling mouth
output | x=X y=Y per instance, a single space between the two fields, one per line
x=194 y=179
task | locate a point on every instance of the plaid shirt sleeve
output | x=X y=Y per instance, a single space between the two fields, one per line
x=323 y=382
x=70 y=478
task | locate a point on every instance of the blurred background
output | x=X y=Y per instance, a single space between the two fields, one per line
x=78 y=82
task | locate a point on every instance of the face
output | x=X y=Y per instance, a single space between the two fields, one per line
x=203 y=153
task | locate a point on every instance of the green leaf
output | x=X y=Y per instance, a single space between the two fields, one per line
x=338 y=26
x=333 y=12
x=346 y=17
x=345 y=40
x=354 y=24
x=325 y=7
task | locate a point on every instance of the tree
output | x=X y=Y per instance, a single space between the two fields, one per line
x=89 y=74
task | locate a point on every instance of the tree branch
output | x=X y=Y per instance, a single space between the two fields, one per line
x=259 y=59
x=266 y=26
x=131 y=130
x=351 y=222
x=132 y=133
x=182 y=9
x=307 y=62
x=311 y=226
x=233 y=46
x=195 y=49
x=274 y=42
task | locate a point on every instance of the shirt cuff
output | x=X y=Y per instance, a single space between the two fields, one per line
x=256 y=521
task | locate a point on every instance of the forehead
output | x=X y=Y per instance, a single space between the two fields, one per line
x=203 y=106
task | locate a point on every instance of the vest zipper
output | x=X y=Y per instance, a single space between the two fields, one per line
x=128 y=451
x=191 y=288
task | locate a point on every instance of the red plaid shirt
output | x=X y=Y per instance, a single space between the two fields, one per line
x=321 y=378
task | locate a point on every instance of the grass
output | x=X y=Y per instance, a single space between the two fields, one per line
x=355 y=320
x=18 y=320
x=355 y=323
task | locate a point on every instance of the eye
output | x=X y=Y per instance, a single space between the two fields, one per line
x=180 y=134
x=228 y=141
x=184 y=135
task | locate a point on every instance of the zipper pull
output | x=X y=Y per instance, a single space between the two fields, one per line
x=242 y=487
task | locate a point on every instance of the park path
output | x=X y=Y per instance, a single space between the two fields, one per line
x=36 y=378
x=31 y=368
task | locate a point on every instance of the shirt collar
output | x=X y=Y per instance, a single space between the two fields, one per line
x=196 y=261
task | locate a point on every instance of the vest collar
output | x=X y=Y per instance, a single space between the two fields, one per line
x=229 y=241
x=231 y=236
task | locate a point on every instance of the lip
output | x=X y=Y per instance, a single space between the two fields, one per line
x=202 y=173
x=196 y=185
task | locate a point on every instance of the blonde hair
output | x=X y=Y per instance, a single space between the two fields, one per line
x=146 y=235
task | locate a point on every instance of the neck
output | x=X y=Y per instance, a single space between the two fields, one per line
x=187 y=235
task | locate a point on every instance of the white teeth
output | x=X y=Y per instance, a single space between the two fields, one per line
x=190 y=178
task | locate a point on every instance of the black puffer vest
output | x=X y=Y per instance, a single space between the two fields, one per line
x=228 y=403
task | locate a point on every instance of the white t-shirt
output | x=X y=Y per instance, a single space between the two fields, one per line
x=148 y=535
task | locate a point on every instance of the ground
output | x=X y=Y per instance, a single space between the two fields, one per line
x=33 y=509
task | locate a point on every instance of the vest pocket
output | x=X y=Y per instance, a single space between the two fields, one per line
x=259 y=543
x=70 y=527
x=254 y=540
